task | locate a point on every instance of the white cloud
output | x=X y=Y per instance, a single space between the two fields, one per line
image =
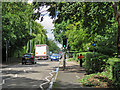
x=50 y=36
x=30 y=1
x=48 y=25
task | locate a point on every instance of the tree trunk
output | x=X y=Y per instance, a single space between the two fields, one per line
x=117 y=15
x=118 y=38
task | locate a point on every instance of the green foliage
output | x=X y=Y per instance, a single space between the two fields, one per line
x=82 y=22
x=76 y=36
x=53 y=47
x=116 y=73
x=15 y=24
x=70 y=59
x=112 y=61
x=91 y=80
x=16 y=18
x=91 y=62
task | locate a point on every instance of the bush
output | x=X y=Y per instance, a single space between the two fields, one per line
x=116 y=74
x=70 y=59
x=102 y=80
x=95 y=62
x=74 y=56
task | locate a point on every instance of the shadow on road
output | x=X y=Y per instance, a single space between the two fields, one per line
x=73 y=68
x=66 y=86
x=21 y=89
x=5 y=72
x=25 y=65
x=22 y=83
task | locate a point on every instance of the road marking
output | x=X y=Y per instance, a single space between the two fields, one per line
x=48 y=81
x=24 y=70
x=10 y=68
x=3 y=81
x=54 y=78
x=77 y=77
x=16 y=75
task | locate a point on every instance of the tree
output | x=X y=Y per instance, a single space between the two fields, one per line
x=16 y=18
x=96 y=19
x=116 y=8
x=52 y=46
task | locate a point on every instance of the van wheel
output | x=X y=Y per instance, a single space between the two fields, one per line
x=35 y=62
x=22 y=63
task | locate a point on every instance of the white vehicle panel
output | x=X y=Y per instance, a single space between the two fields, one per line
x=40 y=51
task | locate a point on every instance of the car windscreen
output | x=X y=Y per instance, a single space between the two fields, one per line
x=54 y=55
x=27 y=55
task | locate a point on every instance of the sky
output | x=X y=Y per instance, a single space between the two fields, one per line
x=48 y=25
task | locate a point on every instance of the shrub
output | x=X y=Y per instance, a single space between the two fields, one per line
x=95 y=62
x=70 y=59
x=116 y=74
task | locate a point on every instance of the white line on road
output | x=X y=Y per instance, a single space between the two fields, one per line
x=52 y=80
x=16 y=75
x=24 y=70
x=3 y=81
x=10 y=68
x=77 y=77
x=41 y=85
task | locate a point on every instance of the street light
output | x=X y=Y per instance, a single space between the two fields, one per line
x=7 y=42
x=30 y=35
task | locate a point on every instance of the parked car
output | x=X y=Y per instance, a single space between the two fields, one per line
x=28 y=58
x=55 y=57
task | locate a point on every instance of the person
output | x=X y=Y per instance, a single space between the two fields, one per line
x=80 y=58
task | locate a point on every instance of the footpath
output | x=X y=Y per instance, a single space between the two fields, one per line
x=11 y=61
x=69 y=78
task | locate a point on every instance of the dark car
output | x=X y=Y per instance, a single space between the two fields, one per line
x=28 y=58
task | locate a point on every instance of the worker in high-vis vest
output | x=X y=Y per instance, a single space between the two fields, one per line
x=80 y=58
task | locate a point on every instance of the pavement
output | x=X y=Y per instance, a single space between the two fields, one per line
x=11 y=61
x=68 y=79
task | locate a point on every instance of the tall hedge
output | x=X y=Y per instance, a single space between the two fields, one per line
x=95 y=62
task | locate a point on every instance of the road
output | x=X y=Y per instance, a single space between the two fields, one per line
x=28 y=76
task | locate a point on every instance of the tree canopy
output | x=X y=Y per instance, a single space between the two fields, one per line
x=17 y=19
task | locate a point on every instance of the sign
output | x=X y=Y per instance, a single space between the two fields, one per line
x=94 y=45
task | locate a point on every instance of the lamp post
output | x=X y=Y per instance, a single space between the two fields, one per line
x=6 y=52
x=30 y=35
x=7 y=41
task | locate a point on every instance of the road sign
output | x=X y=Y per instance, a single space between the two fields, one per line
x=94 y=45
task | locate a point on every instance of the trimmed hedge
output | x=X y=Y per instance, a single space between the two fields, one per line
x=95 y=62
x=116 y=74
